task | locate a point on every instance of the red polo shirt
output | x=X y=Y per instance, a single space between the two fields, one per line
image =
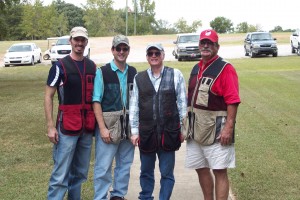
x=226 y=84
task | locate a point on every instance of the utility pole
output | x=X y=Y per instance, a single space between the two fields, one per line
x=126 y=10
x=135 y=10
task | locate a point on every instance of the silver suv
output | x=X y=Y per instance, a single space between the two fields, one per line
x=187 y=46
x=260 y=43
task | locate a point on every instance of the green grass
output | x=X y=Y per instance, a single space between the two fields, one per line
x=267 y=131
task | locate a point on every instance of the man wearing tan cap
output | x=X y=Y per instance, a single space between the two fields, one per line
x=157 y=107
x=113 y=88
x=72 y=135
x=213 y=99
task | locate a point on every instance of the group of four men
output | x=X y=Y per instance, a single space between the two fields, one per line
x=150 y=109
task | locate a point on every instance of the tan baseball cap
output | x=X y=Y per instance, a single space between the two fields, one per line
x=79 y=31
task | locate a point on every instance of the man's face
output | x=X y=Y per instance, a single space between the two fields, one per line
x=120 y=52
x=155 y=57
x=208 y=49
x=78 y=45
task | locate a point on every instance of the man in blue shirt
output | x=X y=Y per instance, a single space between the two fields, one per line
x=113 y=85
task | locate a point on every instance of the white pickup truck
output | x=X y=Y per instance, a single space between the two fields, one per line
x=295 y=41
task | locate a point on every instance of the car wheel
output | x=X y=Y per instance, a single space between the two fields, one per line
x=39 y=60
x=298 y=51
x=46 y=57
x=246 y=53
x=293 y=50
x=251 y=54
x=179 y=59
x=6 y=65
x=275 y=54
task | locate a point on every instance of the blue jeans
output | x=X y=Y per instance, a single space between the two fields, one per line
x=166 y=166
x=71 y=157
x=104 y=155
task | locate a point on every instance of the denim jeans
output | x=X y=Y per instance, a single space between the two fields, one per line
x=166 y=161
x=71 y=156
x=123 y=153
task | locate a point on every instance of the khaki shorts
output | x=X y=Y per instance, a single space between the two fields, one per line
x=214 y=156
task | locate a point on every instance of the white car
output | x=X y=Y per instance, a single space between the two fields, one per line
x=62 y=48
x=23 y=54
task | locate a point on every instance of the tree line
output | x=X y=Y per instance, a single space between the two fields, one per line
x=23 y=20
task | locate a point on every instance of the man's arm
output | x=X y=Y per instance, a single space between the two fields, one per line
x=48 y=106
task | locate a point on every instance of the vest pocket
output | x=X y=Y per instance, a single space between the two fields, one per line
x=71 y=120
x=90 y=121
x=171 y=139
x=202 y=97
x=89 y=84
x=148 y=139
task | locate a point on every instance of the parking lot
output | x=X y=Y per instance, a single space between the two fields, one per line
x=100 y=49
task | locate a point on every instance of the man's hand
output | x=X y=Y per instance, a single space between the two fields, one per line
x=105 y=136
x=52 y=135
x=135 y=140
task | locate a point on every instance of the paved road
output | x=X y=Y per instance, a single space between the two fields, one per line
x=102 y=54
x=227 y=52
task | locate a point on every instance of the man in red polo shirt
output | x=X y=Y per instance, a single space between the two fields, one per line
x=213 y=99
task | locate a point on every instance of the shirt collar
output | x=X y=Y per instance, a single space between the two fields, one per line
x=115 y=68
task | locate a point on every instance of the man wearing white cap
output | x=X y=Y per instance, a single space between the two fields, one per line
x=213 y=99
x=73 y=79
x=157 y=108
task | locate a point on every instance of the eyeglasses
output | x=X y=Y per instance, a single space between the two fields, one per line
x=124 y=49
x=151 y=53
x=208 y=42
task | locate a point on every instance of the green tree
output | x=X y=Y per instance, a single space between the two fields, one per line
x=242 y=27
x=5 y=4
x=100 y=18
x=146 y=23
x=222 y=25
x=277 y=29
x=9 y=24
x=32 y=20
x=182 y=27
x=252 y=28
x=70 y=12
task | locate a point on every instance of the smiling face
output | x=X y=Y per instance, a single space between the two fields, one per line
x=120 y=52
x=78 y=45
x=155 y=57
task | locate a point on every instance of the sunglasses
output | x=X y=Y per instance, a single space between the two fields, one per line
x=208 y=42
x=124 y=49
x=156 y=53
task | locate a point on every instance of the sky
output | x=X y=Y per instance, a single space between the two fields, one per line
x=265 y=13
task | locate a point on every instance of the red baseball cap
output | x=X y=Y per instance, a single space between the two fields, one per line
x=210 y=35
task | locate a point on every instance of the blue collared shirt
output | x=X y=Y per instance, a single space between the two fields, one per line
x=99 y=85
x=180 y=90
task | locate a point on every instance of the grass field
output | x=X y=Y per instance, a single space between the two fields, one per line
x=267 y=131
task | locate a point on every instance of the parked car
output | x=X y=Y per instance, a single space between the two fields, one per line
x=187 y=46
x=260 y=43
x=295 y=41
x=62 y=48
x=22 y=54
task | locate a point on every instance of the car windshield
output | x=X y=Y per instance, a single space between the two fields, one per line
x=262 y=36
x=63 y=41
x=189 y=39
x=20 y=48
